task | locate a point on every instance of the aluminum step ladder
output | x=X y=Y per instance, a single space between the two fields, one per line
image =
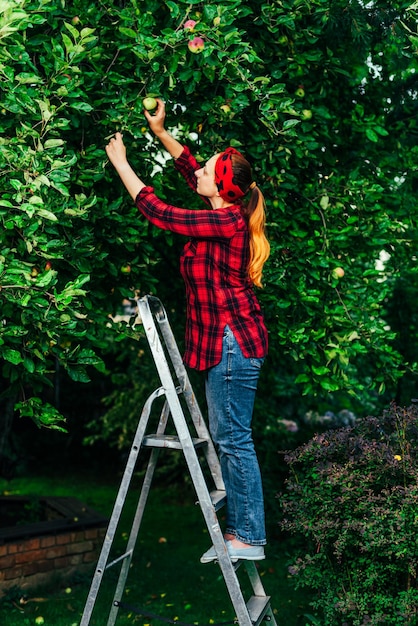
x=178 y=396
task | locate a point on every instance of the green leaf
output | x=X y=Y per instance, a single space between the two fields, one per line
x=74 y=32
x=128 y=32
x=174 y=8
x=290 y=123
x=11 y=355
x=48 y=215
x=53 y=143
x=27 y=78
x=320 y=370
x=29 y=365
x=78 y=374
x=81 y=106
x=371 y=134
x=329 y=385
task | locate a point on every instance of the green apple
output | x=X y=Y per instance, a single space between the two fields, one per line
x=306 y=114
x=300 y=92
x=149 y=103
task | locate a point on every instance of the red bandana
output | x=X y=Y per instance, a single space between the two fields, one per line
x=224 y=176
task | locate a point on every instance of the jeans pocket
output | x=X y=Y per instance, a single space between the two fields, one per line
x=257 y=362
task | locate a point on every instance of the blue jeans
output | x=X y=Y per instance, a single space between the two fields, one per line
x=230 y=392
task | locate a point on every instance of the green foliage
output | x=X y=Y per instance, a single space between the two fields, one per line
x=352 y=495
x=321 y=97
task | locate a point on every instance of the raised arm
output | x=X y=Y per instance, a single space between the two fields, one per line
x=116 y=152
x=156 y=124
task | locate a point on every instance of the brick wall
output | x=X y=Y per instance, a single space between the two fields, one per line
x=28 y=563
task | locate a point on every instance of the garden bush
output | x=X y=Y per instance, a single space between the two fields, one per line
x=352 y=495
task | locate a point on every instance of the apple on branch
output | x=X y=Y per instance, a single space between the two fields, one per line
x=338 y=272
x=149 y=103
x=189 y=25
x=196 y=45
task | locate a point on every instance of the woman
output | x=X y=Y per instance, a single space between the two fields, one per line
x=225 y=332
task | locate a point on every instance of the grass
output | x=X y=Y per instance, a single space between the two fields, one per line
x=166 y=577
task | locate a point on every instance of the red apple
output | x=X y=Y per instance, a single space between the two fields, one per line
x=338 y=272
x=196 y=45
x=189 y=25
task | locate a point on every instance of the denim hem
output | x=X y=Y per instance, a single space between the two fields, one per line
x=261 y=542
x=231 y=531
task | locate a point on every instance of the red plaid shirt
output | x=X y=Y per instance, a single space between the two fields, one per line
x=214 y=268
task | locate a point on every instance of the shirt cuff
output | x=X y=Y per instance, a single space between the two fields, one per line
x=144 y=191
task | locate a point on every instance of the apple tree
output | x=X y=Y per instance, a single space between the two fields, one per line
x=320 y=95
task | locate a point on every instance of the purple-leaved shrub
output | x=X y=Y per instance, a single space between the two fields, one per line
x=352 y=499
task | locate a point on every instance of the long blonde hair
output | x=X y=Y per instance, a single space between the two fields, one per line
x=255 y=213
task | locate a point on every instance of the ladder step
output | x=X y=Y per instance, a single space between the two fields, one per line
x=218 y=498
x=119 y=558
x=257 y=607
x=169 y=441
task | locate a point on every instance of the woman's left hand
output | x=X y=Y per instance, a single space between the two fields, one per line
x=116 y=151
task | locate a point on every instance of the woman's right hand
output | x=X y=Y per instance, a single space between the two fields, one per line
x=156 y=120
